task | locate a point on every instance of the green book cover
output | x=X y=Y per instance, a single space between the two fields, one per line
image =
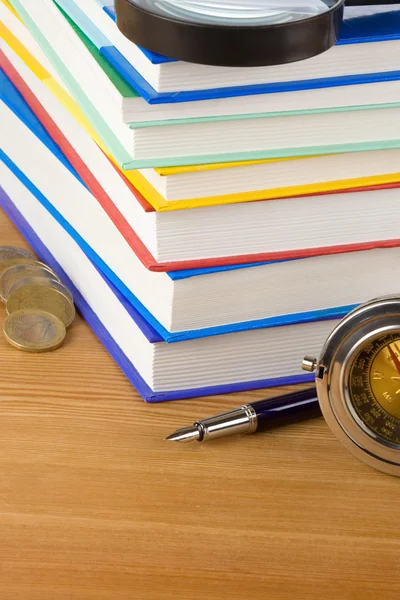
x=124 y=88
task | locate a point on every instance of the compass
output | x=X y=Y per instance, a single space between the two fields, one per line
x=358 y=383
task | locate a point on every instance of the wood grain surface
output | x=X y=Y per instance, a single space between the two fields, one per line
x=94 y=505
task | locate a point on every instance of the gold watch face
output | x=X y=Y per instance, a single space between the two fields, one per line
x=374 y=387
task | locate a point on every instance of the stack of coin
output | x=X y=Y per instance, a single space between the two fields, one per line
x=39 y=306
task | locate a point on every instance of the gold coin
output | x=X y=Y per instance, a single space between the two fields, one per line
x=12 y=274
x=18 y=261
x=34 y=330
x=10 y=253
x=47 y=296
x=40 y=280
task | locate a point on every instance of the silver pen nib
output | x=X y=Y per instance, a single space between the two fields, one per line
x=241 y=420
x=186 y=434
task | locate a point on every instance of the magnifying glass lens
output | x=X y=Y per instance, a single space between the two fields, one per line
x=236 y=12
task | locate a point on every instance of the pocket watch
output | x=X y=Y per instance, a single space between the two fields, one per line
x=358 y=382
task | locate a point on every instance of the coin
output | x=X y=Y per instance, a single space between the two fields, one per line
x=34 y=330
x=18 y=261
x=44 y=295
x=40 y=280
x=16 y=272
x=9 y=253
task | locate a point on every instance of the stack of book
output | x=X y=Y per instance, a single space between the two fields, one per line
x=213 y=223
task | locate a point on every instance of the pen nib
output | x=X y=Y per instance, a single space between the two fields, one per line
x=186 y=434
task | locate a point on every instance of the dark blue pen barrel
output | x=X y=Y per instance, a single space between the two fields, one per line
x=287 y=409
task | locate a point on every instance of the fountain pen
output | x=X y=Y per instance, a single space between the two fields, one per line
x=254 y=418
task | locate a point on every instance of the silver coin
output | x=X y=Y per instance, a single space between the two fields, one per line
x=9 y=253
x=12 y=274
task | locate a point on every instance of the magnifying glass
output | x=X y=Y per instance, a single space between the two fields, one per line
x=239 y=33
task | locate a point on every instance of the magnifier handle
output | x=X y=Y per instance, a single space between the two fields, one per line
x=286 y=409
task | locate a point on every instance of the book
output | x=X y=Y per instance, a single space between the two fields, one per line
x=180 y=188
x=121 y=99
x=157 y=238
x=191 y=305
x=273 y=136
x=130 y=107
x=170 y=81
x=188 y=185
x=159 y=371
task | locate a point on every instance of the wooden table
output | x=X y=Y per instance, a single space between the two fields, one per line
x=95 y=505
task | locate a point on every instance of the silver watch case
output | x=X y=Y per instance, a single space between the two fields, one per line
x=360 y=327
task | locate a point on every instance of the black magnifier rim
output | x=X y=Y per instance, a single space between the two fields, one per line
x=229 y=46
